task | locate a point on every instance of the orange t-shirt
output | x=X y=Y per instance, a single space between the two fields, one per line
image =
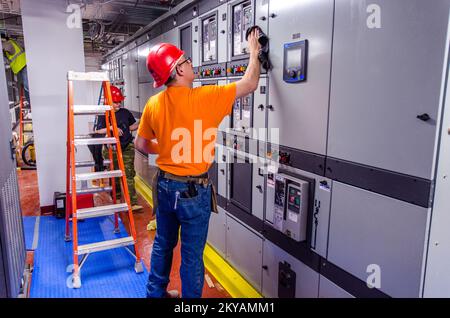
x=184 y=121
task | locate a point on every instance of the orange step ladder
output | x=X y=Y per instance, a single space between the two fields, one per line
x=22 y=121
x=72 y=177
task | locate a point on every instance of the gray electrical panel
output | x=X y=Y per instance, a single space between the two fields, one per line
x=258 y=188
x=274 y=281
x=217 y=231
x=209 y=38
x=130 y=78
x=371 y=233
x=241 y=18
x=388 y=62
x=248 y=117
x=222 y=171
x=328 y=289
x=354 y=96
x=143 y=73
x=288 y=199
x=244 y=251
x=186 y=40
x=195 y=43
x=300 y=110
x=240 y=178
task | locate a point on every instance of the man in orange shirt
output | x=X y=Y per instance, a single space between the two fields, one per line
x=180 y=125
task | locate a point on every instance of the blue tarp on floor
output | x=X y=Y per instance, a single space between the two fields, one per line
x=107 y=274
x=28 y=226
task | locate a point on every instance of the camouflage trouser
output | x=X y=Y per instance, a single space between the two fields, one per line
x=128 y=161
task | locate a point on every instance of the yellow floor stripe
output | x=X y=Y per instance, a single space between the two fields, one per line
x=226 y=275
x=143 y=189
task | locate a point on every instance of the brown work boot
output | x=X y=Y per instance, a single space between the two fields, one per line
x=172 y=294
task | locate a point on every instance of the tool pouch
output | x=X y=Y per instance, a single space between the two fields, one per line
x=155 y=191
x=214 y=199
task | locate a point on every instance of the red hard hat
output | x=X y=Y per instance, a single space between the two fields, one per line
x=116 y=93
x=161 y=61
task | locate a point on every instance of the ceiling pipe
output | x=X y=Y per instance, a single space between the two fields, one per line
x=149 y=26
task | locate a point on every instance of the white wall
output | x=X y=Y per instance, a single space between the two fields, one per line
x=52 y=49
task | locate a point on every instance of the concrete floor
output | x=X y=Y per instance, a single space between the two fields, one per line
x=29 y=199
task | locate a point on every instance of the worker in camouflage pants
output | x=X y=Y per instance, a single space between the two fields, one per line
x=128 y=161
x=126 y=123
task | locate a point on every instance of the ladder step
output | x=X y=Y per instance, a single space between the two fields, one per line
x=98 y=175
x=87 y=164
x=105 y=245
x=94 y=190
x=87 y=76
x=104 y=210
x=95 y=141
x=90 y=109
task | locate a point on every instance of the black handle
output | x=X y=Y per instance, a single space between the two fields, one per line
x=222 y=170
x=273 y=15
x=270 y=107
x=261 y=107
x=13 y=149
x=259 y=188
x=222 y=31
x=263 y=18
x=265 y=267
x=424 y=117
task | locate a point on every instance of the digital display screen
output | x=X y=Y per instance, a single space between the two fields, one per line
x=294 y=58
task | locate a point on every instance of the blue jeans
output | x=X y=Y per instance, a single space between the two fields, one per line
x=192 y=216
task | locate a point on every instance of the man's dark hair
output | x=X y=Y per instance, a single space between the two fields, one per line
x=171 y=77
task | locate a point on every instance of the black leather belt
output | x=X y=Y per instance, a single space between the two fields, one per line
x=200 y=179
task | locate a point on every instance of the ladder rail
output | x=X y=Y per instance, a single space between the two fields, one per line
x=108 y=98
x=67 y=234
x=73 y=180
x=21 y=125
x=111 y=159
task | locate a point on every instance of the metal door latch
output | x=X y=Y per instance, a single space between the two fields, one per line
x=424 y=117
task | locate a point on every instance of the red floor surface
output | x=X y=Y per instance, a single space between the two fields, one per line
x=29 y=199
x=29 y=194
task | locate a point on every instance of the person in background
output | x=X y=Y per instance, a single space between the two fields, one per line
x=126 y=123
x=17 y=61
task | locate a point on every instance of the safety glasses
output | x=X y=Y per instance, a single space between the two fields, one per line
x=188 y=60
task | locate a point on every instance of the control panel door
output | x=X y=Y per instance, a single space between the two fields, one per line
x=299 y=110
x=386 y=83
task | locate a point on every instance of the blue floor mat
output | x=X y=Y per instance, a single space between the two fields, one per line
x=28 y=227
x=106 y=274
